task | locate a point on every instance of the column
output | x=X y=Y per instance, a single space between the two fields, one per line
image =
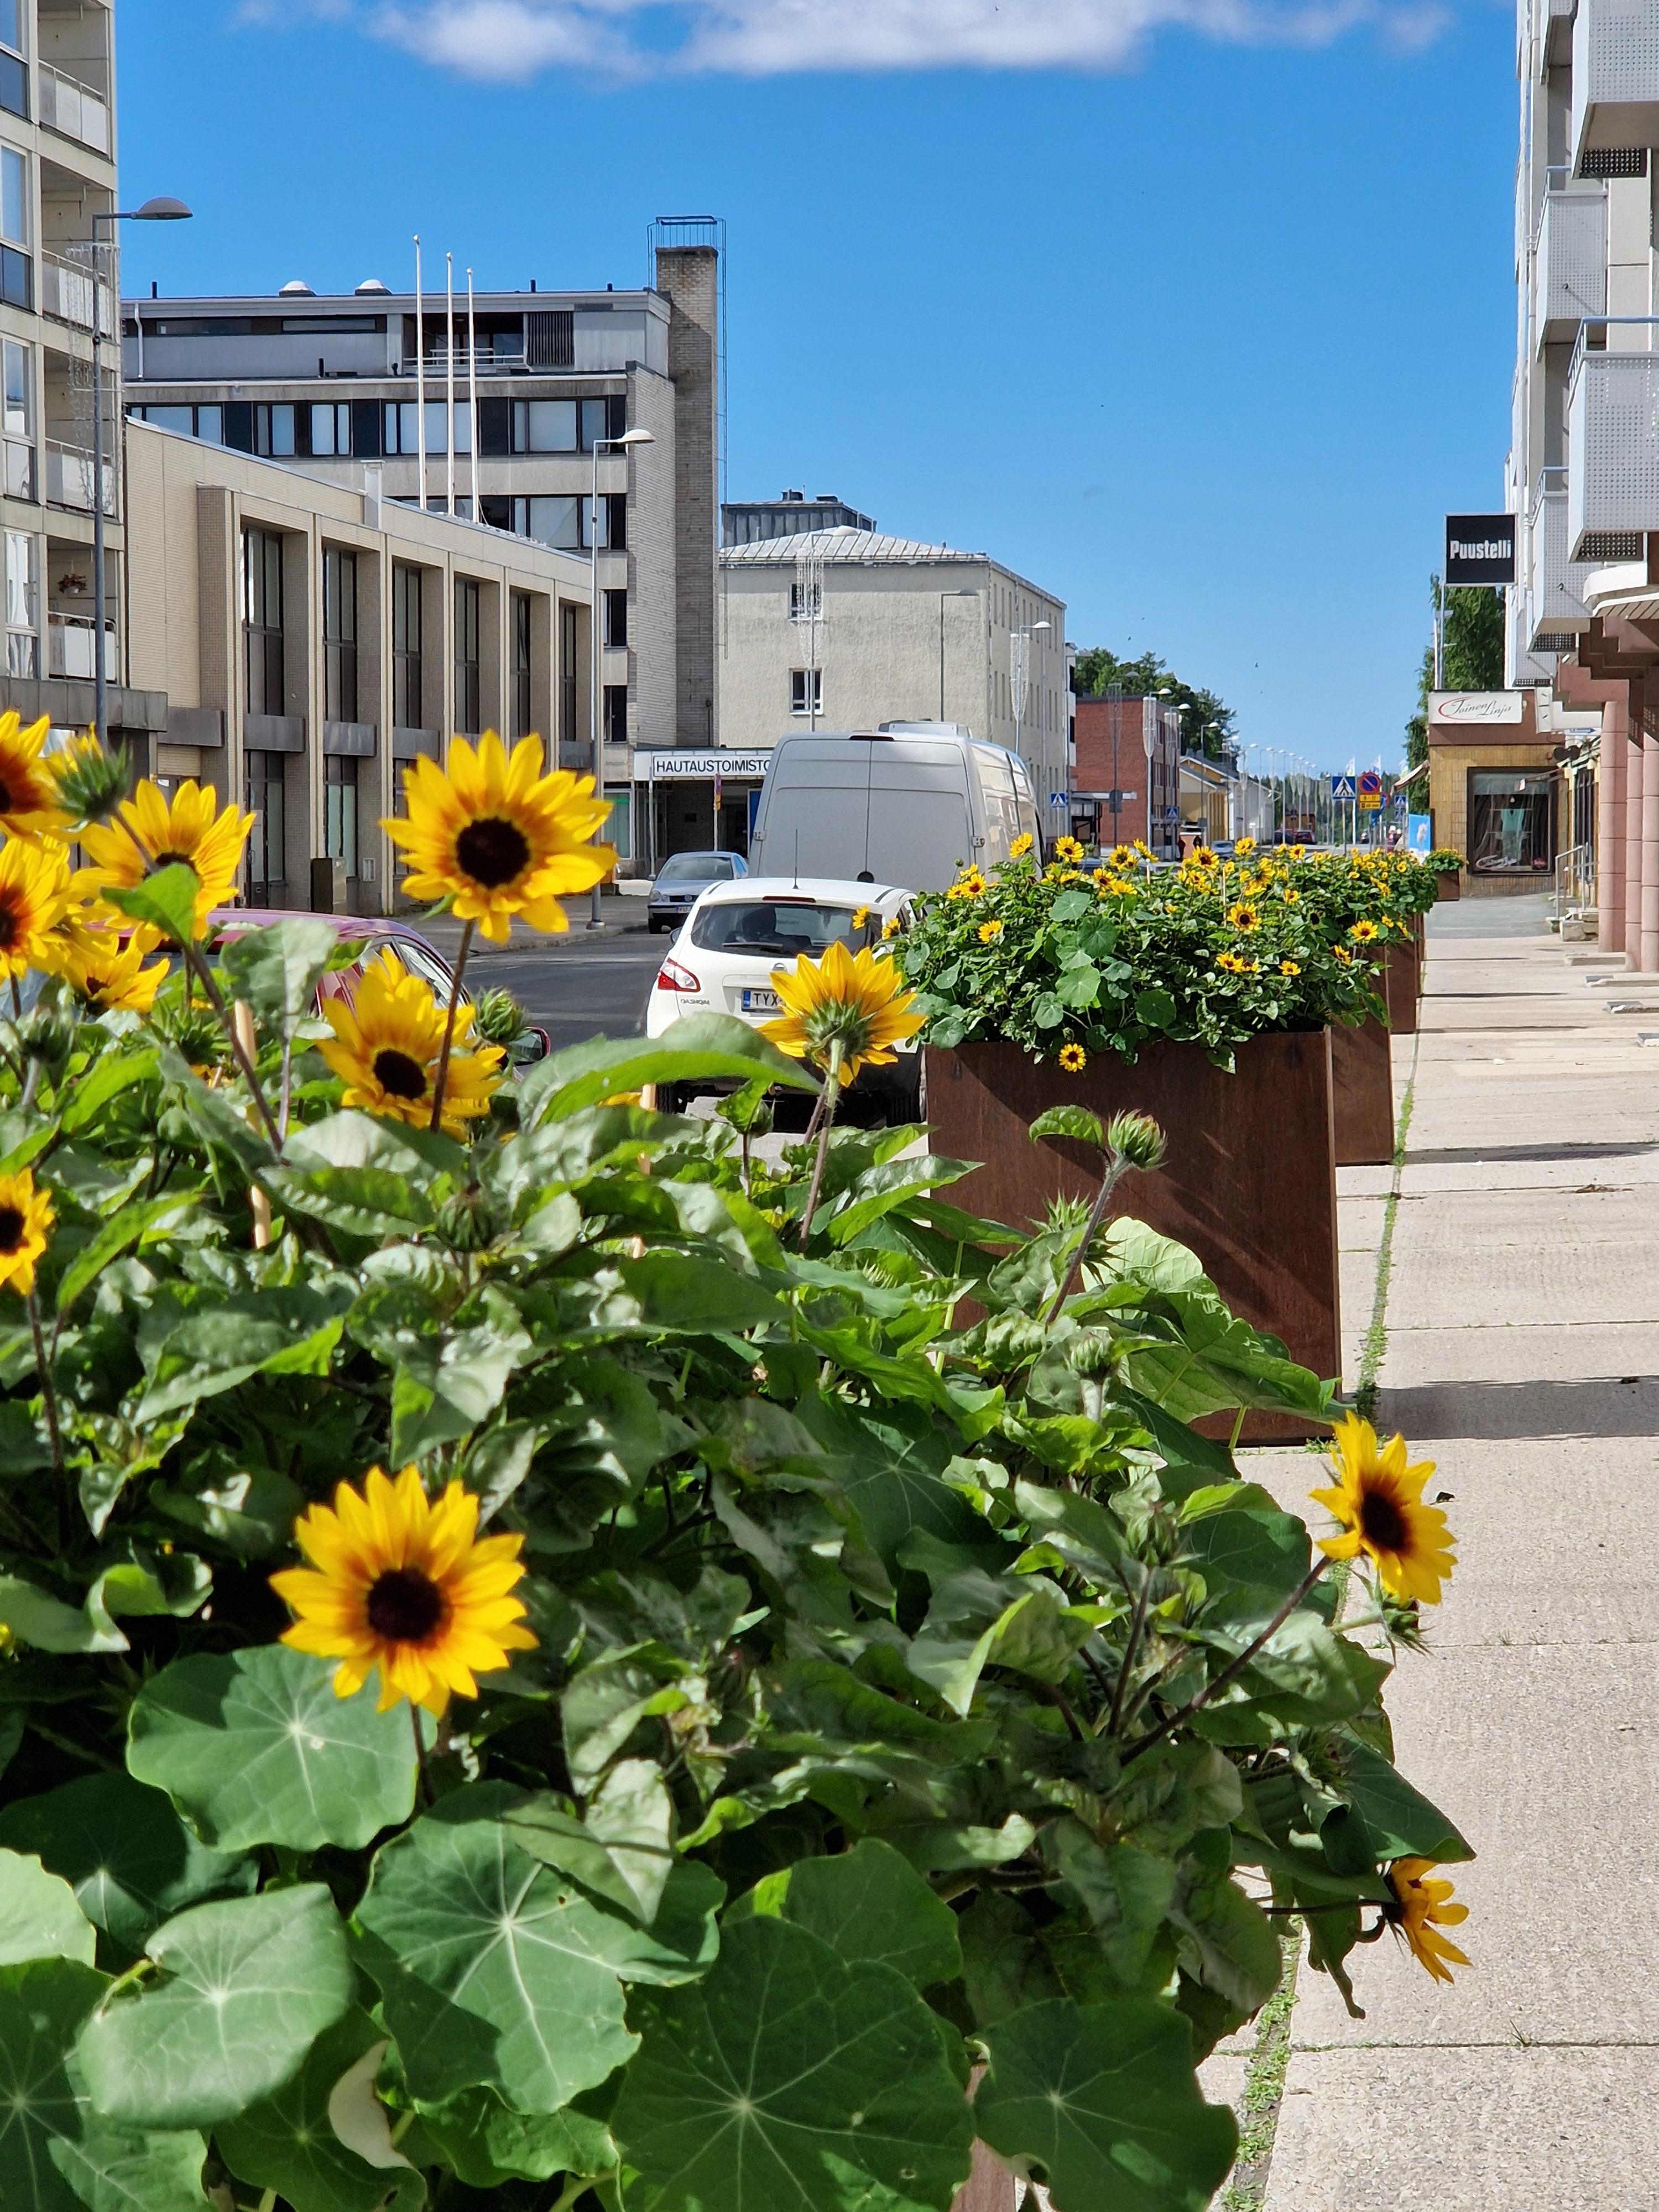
x=1649 y=963
x=1632 y=938
x=1609 y=830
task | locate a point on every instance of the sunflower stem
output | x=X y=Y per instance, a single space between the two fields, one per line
x=827 y=1100
x=48 y=1395
x=1230 y=1672
x=423 y=1778
x=1238 y=1431
x=443 y=1083
x=1136 y=1625
x=1113 y=1175
x=197 y=967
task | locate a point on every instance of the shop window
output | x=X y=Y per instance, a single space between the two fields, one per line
x=1511 y=821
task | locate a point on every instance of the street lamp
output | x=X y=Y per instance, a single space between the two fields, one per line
x=1021 y=673
x=595 y=723
x=155 y=210
x=942 y=599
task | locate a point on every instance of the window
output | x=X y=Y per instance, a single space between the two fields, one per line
x=13 y=85
x=22 y=598
x=401 y=432
x=340 y=810
x=339 y=636
x=181 y=419
x=262 y=624
x=619 y=824
x=616 y=621
x=521 y=636
x=273 y=430
x=13 y=197
x=331 y=428
x=567 y=675
x=769 y=928
x=552 y=338
x=468 y=716
x=17 y=278
x=602 y=419
x=265 y=868
x=1511 y=821
x=806 y=690
x=11 y=27
x=615 y=713
x=16 y=365
x=550 y=521
x=613 y=520
x=805 y=602
x=544 y=426
x=406 y=646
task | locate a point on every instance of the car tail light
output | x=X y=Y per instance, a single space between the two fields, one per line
x=672 y=977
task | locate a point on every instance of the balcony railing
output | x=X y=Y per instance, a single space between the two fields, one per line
x=490 y=363
x=70 y=478
x=73 y=110
x=70 y=650
x=1616 y=80
x=1570 y=270
x=1555 y=583
x=66 y=294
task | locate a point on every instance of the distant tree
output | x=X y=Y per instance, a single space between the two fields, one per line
x=1208 y=727
x=1473 y=656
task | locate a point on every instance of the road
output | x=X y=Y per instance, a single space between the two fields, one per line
x=575 y=986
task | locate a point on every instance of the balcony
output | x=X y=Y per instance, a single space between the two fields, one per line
x=17 y=469
x=69 y=479
x=1554 y=583
x=1569 y=266
x=66 y=294
x=1616 y=80
x=1552 y=32
x=73 y=110
x=70 y=650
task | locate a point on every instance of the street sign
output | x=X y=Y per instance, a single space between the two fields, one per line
x=1370 y=802
x=1371 y=780
x=1479 y=549
x=1342 y=786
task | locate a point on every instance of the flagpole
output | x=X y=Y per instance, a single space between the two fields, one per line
x=472 y=397
x=449 y=385
x=420 y=374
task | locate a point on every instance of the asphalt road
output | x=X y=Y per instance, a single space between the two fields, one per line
x=575 y=986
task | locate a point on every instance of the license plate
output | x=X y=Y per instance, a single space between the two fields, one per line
x=762 y=1002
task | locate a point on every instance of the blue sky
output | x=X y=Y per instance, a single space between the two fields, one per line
x=1198 y=313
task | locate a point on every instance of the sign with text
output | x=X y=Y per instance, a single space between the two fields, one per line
x=1479 y=549
x=697 y=767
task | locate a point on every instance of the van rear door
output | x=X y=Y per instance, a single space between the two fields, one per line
x=817 y=809
x=921 y=828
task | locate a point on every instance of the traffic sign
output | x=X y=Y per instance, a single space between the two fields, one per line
x=1371 y=780
x=1342 y=786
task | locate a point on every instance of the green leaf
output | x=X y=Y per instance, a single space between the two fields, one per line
x=1079 y=987
x=1073 y=1121
x=287 y=2142
x=622 y=1850
x=1227 y=1942
x=699 y=1048
x=55 y=2154
x=883 y=1189
x=133 y=1225
x=1155 y=1009
x=91 y=1092
x=1399 y=1821
x=123 y=1850
x=1072 y=905
x=684 y=1295
x=246 y=1988
x=50 y=1625
x=790 y=2077
x=488 y=2144
x=168 y=899
x=286 y=1330
x=867 y=1903
x=40 y=1918
x=494 y=1972
x=1104 y=2100
x=277 y=970
x=1125 y=1893
x=255 y=1747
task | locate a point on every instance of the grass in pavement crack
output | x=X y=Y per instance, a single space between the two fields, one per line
x=1375 y=1342
x=1264 y=2090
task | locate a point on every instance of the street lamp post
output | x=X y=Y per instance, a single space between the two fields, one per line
x=595 y=687
x=1021 y=673
x=153 y=210
x=942 y=599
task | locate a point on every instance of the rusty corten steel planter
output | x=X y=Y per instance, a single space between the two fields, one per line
x=1401 y=985
x=1362 y=1095
x=1249 y=1184
x=1451 y=884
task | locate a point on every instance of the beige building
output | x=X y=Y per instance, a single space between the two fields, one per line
x=309 y=640
x=848 y=628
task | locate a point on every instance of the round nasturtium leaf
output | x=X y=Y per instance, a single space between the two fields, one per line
x=1103 y=2099
x=39 y=1916
x=788 y=2077
x=247 y=1987
x=287 y=2143
x=124 y=1852
x=255 y=1747
x=869 y=1903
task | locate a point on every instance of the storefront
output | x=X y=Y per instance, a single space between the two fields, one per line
x=1496 y=793
x=1511 y=817
x=693 y=802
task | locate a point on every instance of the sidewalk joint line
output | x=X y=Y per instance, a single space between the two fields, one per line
x=1375 y=1344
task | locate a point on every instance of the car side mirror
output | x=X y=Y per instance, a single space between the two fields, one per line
x=529 y=1045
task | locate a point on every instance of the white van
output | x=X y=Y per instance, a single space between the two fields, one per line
x=909 y=803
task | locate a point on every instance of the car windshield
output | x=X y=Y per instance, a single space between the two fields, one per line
x=697 y=868
x=772 y=926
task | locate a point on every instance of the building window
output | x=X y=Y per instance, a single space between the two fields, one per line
x=619 y=826
x=11 y=25
x=273 y=430
x=613 y=520
x=1511 y=821
x=806 y=690
x=17 y=364
x=339 y=635
x=545 y=426
x=265 y=867
x=330 y=425
x=616 y=621
x=401 y=429
x=262 y=623
x=13 y=197
x=13 y=77
x=603 y=419
x=406 y=646
x=615 y=713
x=805 y=602
x=340 y=810
x=22 y=601
x=521 y=633
x=468 y=688
x=567 y=676
x=17 y=281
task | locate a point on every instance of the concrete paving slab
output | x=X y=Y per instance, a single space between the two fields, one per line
x=1494 y=2130
x=1363 y=1182
x=1360 y=1223
x=1222 y=2077
x=1597 y=1282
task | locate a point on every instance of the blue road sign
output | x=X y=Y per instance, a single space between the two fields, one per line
x=1342 y=786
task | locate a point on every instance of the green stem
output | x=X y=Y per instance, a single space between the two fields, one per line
x=198 y=968
x=48 y=1395
x=443 y=1083
x=1230 y=1672
x=1111 y=1176
x=830 y=1092
x=1238 y=1431
x=1136 y=1625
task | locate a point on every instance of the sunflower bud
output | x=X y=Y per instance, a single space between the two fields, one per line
x=47 y=1033
x=465 y=1220
x=497 y=1018
x=91 y=782
x=1137 y=1138
x=1093 y=1357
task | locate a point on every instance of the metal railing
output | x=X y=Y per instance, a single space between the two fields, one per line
x=437 y=364
x=1574 y=891
x=69 y=648
x=67 y=293
x=70 y=478
x=73 y=109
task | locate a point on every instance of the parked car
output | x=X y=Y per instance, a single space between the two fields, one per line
x=736 y=935
x=682 y=880
x=909 y=803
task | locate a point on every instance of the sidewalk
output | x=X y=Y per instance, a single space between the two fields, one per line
x=1521 y=1317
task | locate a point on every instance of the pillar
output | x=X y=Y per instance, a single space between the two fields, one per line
x=1609 y=831
x=1649 y=963
x=1632 y=939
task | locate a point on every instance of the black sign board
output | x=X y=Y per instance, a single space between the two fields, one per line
x=1479 y=549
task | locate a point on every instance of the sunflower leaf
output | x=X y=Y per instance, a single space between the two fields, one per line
x=255 y=1747
x=276 y=969
x=165 y=899
x=706 y=1048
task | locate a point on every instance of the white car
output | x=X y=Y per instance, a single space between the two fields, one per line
x=724 y=955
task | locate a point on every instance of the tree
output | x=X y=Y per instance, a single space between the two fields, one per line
x=1472 y=656
x=1208 y=727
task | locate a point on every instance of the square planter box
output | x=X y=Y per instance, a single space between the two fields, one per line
x=1450 y=882
x=1249 y=1184
x=1402 y=987
x=1362 y=1095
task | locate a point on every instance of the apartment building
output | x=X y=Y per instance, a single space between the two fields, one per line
x=846 y=629
x=1583 y=468
x=515 y=410
x=308 y=639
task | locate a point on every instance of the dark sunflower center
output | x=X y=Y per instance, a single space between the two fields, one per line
x=397 y=1073
x=404 y=1606
x=7 y=801
x=1381 y=1522
x=182 y=860
x=492 y=851
x=11 y=1229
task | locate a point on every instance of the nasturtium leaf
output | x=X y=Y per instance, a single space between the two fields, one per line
x=621 y=1849
x=1104 y=2100
x=868 y=1903
x=254 y=1747
x=790 y=2077
x=123 y=1850
x=493 y=1970
x=488 y=2143
x=287 y=2142
x=246 y=1988
x=1072 y=906
x=40 y=1918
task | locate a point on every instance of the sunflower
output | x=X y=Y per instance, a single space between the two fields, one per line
x=398 y=1582
x=1073 y=1058
x=387 y=1044
x=1244 y=916
x=106 y=974
x=1233 y=964
x=1343 y=955
x=1141 y=850
x=1068 y=849
x=1290 y=967
x=1021 y=846
x=855 y=1003
x=861 y=915
x=1292 y=898
x=989 y=931
x=889 y=929
x=28 y=789
x=970 y=885
x=1298 y=852
x=1057 y=874
x=33 y=893
x=1379 y=1503
x=496 y=838
x=1115 y=887
x=1204 y=857
x=1365 y=932
x=150 y=831
x=25 y=1215
x=1421 y=1909
x=1122 y=855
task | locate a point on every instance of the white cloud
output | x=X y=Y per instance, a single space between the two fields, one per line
x=514 y=39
